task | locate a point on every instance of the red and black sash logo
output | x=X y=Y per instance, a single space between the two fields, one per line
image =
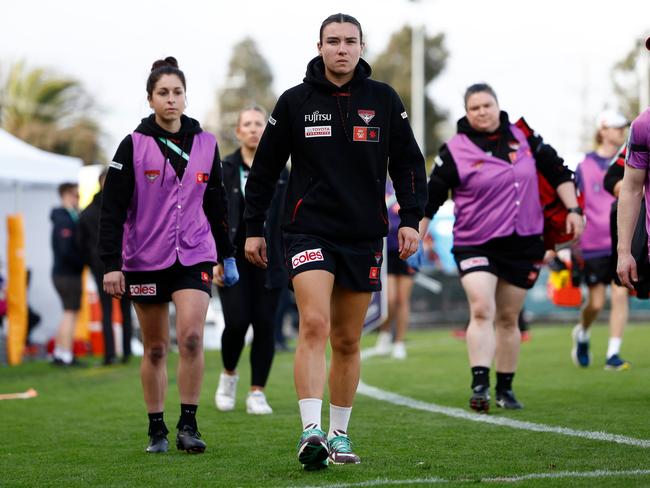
x=365 y=134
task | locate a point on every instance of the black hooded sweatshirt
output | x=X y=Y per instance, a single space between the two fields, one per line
x=120 y=185
x=341 y=141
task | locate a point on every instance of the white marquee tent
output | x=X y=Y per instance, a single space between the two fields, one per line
x=28 y=185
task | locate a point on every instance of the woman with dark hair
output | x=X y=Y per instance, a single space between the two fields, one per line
x=163 y=227
x=491 y=166
x=254 y=299
x=343 y=131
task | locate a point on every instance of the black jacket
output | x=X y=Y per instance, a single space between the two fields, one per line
x=444 y=176
x=88 y=235
x=120 y=184
x=341 y=141
x=276 y=275
x=67 y=257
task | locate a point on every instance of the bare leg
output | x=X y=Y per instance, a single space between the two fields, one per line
x=594 y=304
x=480 y=288
x=509 y=301
x=154 y=323
x=620 y=311
x=404 y=289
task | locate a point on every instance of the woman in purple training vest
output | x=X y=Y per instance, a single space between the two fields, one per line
x=164 y=216
x=491 y=167
x=596 y=245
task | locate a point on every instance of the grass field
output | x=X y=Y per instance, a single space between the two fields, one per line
x=88 y=427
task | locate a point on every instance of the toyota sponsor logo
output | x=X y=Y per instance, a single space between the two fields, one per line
x=147 y=290
x=308 y=256
x=318 y=131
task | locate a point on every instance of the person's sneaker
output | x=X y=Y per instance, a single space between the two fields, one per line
x=617 y=363
x=384 y=343
x=480 y=399
x=399 y=351
x=158 y=442
x=506 y=399
x=188 y=439
x=224 y=398
x=256 y=403
x=340 y=449
x=312 y=449
x=580 y=351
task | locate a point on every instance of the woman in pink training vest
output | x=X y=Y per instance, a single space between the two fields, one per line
x=164 y=216
x=491 y=167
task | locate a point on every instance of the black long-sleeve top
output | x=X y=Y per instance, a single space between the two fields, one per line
x=444 y=176
x=120 y=185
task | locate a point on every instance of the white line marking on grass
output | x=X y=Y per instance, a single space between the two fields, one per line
x=459 y=413
x=509 y=479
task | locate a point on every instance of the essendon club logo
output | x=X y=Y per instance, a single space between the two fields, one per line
x=308 y=256
x=202 y=177
x=205 y=277
x=378 y=257
x=366 y=115
x=148 y=290
x=152 y=174
x=374 y=273
x=365 y=134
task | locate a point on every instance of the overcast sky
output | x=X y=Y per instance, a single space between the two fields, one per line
x=549 y=61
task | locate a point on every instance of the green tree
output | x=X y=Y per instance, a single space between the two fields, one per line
x=393 y=66
x=626 y=80
x=248 y=83
x=50 y=112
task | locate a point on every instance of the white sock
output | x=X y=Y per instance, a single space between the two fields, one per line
x=57 y=352
x=339 y=419
x=65 y=356
x=613 y=346
x=310 y=412
x=583 y=334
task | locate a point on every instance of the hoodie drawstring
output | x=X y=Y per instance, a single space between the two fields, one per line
x=338 y=96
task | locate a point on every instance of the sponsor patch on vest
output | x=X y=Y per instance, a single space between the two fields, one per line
x=318 y=131
x=202 y=177
x=366 y=115
x=374 y=273
x=404 y=114
x=152 y=174
x=115 y=165
x=272 y=121
x=474 y=262
x=365 y=134
x=308 y=256
x=148 y=290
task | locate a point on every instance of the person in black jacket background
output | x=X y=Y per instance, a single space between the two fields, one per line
x=66 y=272
x=88 y=241
x=254 y=299
x=343 y=132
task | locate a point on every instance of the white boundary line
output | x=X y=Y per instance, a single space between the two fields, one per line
x=510 y=479
x=396 y=399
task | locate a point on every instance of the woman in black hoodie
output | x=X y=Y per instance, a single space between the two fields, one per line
x=342 y=131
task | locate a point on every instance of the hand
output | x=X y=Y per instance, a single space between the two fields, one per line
x=575 y=224
x=217 y=275
x=549 y=255
x=408 y=240
x=114 y=284
x=255 y=250
x=415 y=260
x=230 y=273
x=424 y=227
x=626 y=270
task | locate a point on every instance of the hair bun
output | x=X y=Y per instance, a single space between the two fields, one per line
x=168 y=61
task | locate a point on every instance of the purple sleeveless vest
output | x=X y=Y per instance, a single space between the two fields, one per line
x=494 y=198
x=165 y=220
x=598 y=203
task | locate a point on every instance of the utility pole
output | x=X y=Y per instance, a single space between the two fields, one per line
x=418 y=39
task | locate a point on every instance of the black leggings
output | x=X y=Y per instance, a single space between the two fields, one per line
x=249 y=302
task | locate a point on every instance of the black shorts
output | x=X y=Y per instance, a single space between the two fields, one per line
x=69 y=289
x=515 y=259
x=158 y=286
x=397 y=266
x=355 y=265
x=598 y=270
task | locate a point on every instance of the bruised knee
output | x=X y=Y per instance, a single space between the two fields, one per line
x=156 y=353
x=192 y=344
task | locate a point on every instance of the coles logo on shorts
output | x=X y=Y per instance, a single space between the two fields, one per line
x=318 y=131
x=308 y=256
x=475 y=262
x=148 y=290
